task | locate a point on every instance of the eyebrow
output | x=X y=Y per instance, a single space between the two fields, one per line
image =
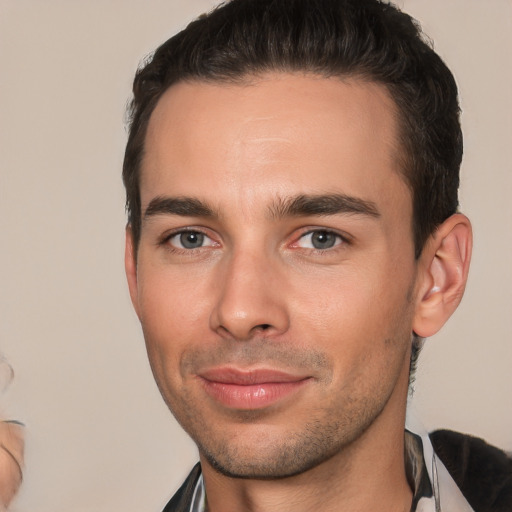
x=182 y=206
x=298 y=206
x=324 y=204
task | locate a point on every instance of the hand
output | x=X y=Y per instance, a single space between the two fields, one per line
x=11 y=460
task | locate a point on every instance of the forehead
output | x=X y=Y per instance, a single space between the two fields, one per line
x=272 y=134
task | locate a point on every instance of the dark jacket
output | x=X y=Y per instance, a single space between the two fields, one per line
x=482 y=472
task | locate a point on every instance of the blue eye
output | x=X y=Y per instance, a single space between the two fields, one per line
x=190 y=240
x=320 y=239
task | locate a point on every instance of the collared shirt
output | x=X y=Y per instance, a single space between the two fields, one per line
x=434 y=490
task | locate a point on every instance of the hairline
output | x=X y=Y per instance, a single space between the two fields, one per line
x=400 y=152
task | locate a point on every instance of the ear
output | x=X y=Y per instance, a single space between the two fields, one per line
x=443 y=272
x=130 y=266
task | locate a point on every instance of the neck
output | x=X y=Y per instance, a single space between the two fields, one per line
x=367 y=475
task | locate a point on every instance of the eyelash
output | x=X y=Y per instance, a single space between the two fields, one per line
x=342 y=240
x=165 y=240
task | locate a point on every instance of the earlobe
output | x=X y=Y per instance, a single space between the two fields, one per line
x=443 y=271
x=130 y=265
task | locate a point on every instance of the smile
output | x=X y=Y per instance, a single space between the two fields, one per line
x=250 y=390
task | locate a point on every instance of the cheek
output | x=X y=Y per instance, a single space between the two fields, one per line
x=173 y=315
x=171 y=303
x=356 y=299
x=357 y=316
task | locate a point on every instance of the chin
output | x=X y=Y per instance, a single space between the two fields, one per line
x=266 y=455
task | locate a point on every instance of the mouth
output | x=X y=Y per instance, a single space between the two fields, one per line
x=250 y=390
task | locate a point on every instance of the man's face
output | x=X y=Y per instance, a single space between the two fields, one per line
x=275 y=277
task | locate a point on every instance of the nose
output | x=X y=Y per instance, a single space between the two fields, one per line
x=251 y=300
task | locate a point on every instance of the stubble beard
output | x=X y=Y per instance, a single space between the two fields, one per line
x=266 y=453
x=292 y=454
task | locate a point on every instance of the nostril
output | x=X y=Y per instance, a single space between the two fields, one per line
x=263 y=327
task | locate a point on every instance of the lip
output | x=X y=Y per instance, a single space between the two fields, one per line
x=250 y=390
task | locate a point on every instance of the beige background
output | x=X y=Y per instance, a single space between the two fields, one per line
x=99 y=438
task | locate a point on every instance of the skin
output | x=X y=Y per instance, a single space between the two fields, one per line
x=255 y=293
x=11 y=460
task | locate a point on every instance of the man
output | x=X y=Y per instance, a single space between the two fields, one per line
x=293 y=236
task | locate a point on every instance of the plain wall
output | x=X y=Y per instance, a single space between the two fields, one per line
x=99 y=437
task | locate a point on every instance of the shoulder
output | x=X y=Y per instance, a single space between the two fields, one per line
x=181 y=501
x=482 y=471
